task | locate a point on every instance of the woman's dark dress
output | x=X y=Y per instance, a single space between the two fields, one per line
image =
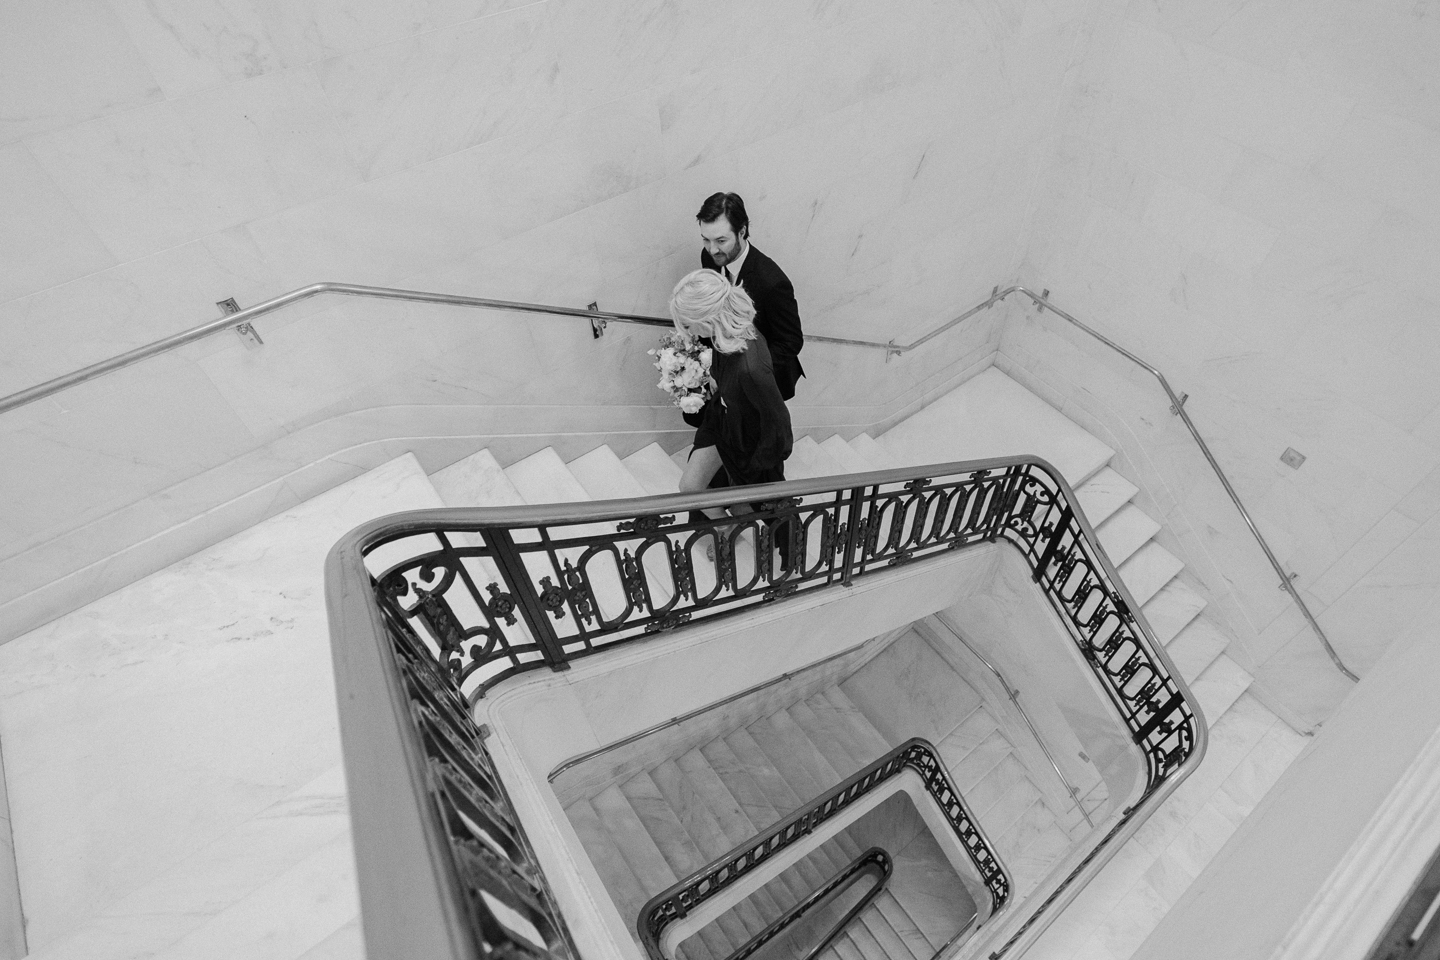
x=746 y=421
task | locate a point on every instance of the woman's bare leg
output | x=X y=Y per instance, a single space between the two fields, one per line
x=700 y=469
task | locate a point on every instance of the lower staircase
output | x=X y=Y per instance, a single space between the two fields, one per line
x=174 y=767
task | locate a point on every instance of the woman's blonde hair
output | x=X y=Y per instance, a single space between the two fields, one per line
x=706 y=304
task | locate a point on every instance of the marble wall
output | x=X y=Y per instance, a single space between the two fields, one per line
x=162 y=156
x=1245 y=194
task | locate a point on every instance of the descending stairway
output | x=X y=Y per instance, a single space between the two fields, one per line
x=672 y=818
x=196 y=794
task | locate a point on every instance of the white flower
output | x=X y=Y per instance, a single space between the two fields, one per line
x=691 y=403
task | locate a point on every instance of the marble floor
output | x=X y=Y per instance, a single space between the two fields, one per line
x=173 y=755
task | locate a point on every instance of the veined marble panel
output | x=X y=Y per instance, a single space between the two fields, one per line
x=140 y=729
x=407 y=102
x=1387 y=158
x=43 y=240
x=162 y=175
x=66 y=62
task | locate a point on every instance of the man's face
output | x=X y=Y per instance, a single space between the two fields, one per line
x=721 y=242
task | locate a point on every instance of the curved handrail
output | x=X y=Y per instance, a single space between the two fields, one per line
x=412 y=639
x=690 y=893
x=875 y=862
x=242 y=319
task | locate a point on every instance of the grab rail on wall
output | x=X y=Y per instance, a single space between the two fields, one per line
x=241 y=323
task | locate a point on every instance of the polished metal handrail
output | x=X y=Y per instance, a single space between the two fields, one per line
x=1177 y=407
x=241 y=321
x=1014 y=695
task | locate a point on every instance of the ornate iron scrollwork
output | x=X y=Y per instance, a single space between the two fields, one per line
x=552 y=598
x=644 y=524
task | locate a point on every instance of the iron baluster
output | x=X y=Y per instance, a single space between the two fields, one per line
x=1062 y=527
x=512 y=567
x=853 y=529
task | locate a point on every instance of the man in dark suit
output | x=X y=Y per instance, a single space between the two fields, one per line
x=725 y=229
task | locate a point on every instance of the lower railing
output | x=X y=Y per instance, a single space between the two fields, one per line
x=874 y=865
x=712 y=880
x=477 y=596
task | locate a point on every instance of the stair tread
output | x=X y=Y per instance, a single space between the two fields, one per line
x=1171 y=608
x=1219 y=686
x=909 y=690
x=1149 y=569
x=652 y=468
x=682 y=456
x=863 y=733
x=1103 y=494
x=625 y=889
x=543 y=477
x=990 y=415
x=808 y=459
x=604 y=477
x=971 y=732
x=758 y=763
x=676 y=845
x=865 y=941
x=1196 y=647
x=796 y=750
x=879 y=926
x=1011 y=806
x=1036 y=860
x=974 y=766
x=829 y=740
x=870 y=448
x=843 y=454
x=1125 y=532
x=904 y=925
x=845 y=948
x=930 y=891
x=633 y=840
x=1032 y=822
x=476 y=481
x=982 y=798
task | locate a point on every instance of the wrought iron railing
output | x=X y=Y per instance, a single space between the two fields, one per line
x=486 y=594
x=873 y=862
x=713 y=879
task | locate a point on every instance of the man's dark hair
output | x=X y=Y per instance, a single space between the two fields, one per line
x=728 y=205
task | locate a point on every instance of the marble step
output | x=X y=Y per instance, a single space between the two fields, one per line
x=791 y=753
x=826 y=735
x=991 y=415
x=1219 y=685
x=1147 y=570
x=604 y=476
x=543 y=477
x=677 y=847
x=625 y=889
x=654 y=470
x=1103 y=494
x=875 y=920
x=204 y=771
x=476 y=481
x=808 y=460
x=909 y=690
x=974 y=730
x=709 y=839
x=862 y=735
x=1171 y=608
x=914 y=939
x=845 y=455
x=1196 y=647
x=1126 y=531
x=870 y=448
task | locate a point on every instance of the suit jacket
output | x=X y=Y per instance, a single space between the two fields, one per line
x=777 y=316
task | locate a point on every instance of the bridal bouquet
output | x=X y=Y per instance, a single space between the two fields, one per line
x=684 y=366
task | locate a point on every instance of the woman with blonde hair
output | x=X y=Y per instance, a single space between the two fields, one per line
x=744 y=428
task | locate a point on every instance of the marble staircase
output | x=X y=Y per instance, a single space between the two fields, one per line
x=644 y=830
x=173 y=761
